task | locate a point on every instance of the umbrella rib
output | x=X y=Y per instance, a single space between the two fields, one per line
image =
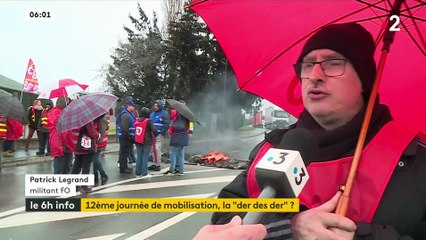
x=298 y=41
x=372 y=5
x=416 y=27
x=415 y=41
x=408 y=10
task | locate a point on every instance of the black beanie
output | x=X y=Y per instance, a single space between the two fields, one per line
x=352 y=41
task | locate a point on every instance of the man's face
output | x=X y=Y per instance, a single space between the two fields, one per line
x=331 y=98
x=38 y=103
x=130 y=108
x=156 y=107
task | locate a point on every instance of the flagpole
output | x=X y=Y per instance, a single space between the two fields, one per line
x=22 y=93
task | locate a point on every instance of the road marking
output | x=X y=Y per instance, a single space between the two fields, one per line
x=12 y=211
x=177 y=183
x=29 y=218
x=105 y=237
x=161 y=226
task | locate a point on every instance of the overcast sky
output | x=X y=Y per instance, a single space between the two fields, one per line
x=74 y=43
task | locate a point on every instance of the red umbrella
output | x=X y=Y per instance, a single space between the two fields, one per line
x=262 y=39
x=64 y=87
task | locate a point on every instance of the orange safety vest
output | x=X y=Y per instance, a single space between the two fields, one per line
x=44 y=117
x=33 y=115
x=3 y=127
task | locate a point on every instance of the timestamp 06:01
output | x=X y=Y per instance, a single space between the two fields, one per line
x=43 y=14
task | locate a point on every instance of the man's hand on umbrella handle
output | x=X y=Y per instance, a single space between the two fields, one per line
x=322 y=223
x=232 y=231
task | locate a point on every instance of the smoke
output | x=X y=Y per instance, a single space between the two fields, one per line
x=221 y=117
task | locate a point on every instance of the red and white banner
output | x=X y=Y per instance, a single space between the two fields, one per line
x=31 y=81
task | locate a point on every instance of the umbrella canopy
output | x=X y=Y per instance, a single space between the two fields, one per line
x=84 y=110
x=64 y=87
x=262 y=39
x=182 y=109
x=11 y=107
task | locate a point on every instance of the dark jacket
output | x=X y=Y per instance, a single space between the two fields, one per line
x=34 y=117
x=102 y=129
x=125 y=125
x=402 y=206
x=179 y=135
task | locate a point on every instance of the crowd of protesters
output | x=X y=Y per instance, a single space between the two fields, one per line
x=145 y=129
x=148 y=130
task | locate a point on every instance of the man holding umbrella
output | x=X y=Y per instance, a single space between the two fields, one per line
x=337 y=70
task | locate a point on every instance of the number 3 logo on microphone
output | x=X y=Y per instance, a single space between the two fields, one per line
x=281 y=158
x=302 y=173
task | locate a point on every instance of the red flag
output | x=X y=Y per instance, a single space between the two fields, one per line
x=31 y=81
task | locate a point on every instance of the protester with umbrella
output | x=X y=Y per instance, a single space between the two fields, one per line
x=337 y=71
x=10 y=108
x=80 y=116
x=85 y=150
x=179 y=139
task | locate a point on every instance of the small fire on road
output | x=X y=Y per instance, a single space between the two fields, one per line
x=215 y=156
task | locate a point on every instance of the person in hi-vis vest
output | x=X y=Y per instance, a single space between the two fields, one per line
x=34 y=120
x=145 y=132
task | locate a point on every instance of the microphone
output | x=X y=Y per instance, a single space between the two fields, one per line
x=281 y=172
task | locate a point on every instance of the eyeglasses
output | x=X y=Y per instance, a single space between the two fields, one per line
x=330 y=68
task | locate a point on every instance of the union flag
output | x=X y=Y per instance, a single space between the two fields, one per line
x=31 y=81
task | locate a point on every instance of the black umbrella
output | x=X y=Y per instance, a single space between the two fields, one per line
x=182 y=109
x=11 y=107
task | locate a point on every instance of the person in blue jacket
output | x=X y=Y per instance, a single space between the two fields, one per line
x=161 y=120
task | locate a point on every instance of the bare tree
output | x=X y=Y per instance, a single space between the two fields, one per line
x=172 y=11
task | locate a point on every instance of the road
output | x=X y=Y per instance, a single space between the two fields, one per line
x=198 y=182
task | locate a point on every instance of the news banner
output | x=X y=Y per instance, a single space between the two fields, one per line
x=57 y=192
